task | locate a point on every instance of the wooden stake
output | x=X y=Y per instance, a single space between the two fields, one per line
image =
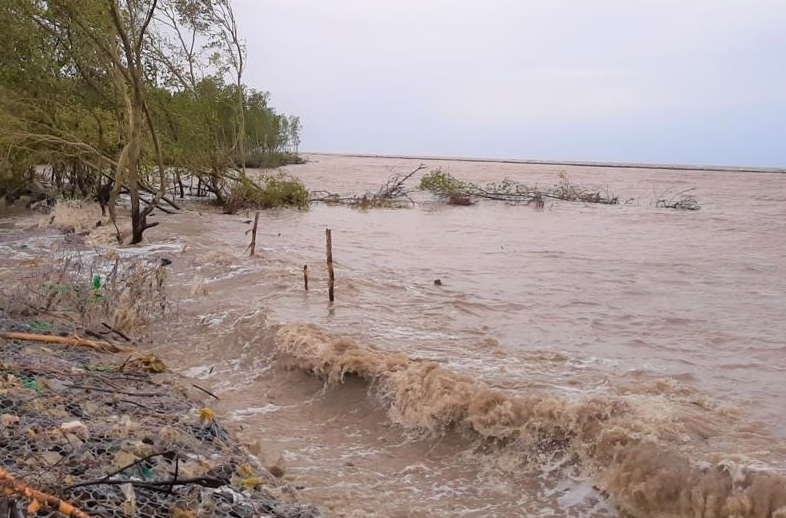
x=254 y=234
x=329 y=249
x=305 y=276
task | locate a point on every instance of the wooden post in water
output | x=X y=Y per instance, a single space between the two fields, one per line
x=305 y=276
x=254 y=234
x=329 y=250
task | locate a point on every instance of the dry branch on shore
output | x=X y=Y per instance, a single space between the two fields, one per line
x=10 y=486
x=64 y=340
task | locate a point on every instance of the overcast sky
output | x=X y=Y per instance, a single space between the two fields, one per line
x=674 y=81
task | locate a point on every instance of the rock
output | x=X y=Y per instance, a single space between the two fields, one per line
x=123 y=458
x=76 y=428
x=275 y=465
x=147 y=363
x=254 y=448
x=51 y=457
x=276 y=470
x=9 y=420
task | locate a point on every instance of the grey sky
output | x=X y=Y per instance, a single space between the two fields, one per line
x=687 y=81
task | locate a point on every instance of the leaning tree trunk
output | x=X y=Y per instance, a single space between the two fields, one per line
x=134 y=159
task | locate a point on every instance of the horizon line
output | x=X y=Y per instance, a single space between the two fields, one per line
x=574 y=163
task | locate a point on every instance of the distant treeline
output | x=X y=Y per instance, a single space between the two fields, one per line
x=130 y=97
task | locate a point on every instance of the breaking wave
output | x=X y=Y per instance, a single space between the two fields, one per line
x=643 y=450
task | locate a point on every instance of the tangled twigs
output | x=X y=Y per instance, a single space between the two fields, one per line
x=65 y=340
x=458 y=192
x=10 y=486
x=682 y=200
x=394 y=187
x=390 y=194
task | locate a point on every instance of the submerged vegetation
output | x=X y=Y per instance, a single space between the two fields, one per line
x=130 y=99
x=273 y=190
x=454 y=191
x=458 y=192
x=679 y=200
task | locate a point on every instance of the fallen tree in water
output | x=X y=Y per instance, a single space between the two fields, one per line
x=272 y=190
x=458 y=192
x=391 y=194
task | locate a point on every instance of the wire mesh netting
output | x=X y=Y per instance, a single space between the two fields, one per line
x=116 y=440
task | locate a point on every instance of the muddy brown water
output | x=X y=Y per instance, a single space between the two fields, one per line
x=676 y=316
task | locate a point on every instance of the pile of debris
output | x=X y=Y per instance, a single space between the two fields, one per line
x=85 y=433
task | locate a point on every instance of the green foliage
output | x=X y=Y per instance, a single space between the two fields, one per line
x=11 y=180
x=259 y=159
x=274 y=190
x=442 y=183
x=36 y=325
x=458 y=192
x=64 y=94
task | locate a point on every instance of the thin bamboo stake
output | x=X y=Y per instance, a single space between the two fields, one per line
x=329 y=249
x=65 y=340
x=305 y=276
x=254 y=234
x=12 y=487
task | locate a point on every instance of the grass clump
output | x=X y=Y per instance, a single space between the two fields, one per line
x=86 y=290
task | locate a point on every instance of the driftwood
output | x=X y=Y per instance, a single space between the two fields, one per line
x=205 y=391
x=10 y=486
x=64 y=340
x=390 y=194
